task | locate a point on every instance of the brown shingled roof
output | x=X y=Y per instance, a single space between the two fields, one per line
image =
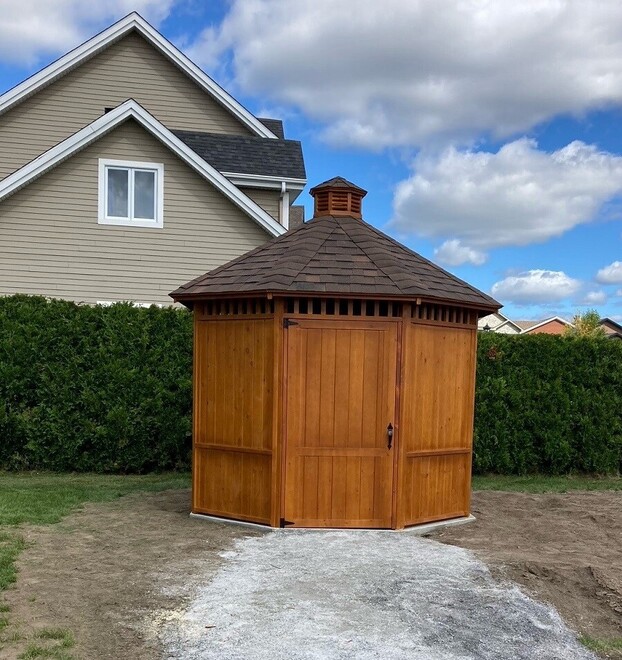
x=335 y=255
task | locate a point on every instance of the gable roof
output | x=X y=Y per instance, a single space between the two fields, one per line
x=529 y=326
x=240 y=154
x=115 y=32
x=611 y=325
x=340 y=256
x=133 y=110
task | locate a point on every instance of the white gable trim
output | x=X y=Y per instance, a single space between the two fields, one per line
x=509 y=322
x=133 y=110
x=131 y=22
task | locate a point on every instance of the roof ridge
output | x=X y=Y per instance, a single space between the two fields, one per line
x=330 y=233
x=362 y=249
x=419 y=256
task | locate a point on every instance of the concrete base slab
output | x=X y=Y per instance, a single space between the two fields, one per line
x=230 y=521
x=416 y=529
x=434 y=526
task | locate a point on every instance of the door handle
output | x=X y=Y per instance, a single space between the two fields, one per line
x=390 y=435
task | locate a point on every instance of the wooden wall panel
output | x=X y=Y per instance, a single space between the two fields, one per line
x=233 y=418
x=436 y=426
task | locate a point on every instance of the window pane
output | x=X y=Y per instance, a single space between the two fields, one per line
x=118 y=187
x=144 y=195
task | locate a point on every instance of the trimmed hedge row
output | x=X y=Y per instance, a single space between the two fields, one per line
x=548 y=404
x=103 y=389
x=108 y=389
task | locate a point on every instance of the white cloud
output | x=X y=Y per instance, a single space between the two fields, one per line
x=404 y=72
x=517 y=196
x=595 y=298
x=535 y=287
x=611 y=274
x=453 y=253
x=30 y=29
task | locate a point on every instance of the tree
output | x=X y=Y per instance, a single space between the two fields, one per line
x=586 y=324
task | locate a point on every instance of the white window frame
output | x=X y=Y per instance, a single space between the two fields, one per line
x=104 y=219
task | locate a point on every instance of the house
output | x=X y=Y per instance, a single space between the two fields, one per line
x=124 y=170
x=497 y=322
x=612 y=329
x=555 y=325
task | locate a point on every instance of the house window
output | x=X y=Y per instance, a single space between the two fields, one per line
x=131 y=193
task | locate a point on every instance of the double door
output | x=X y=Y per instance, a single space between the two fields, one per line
x=348 y=462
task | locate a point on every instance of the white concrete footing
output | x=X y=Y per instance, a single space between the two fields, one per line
x=416 y=529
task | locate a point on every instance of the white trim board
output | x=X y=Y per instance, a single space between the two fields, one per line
x=133 y=110
x=133 y=21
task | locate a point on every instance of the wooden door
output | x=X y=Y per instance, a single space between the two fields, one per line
x=339 y=400
x=436 y=427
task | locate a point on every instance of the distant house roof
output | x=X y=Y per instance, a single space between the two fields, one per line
x=611 y=328
x=530 y=326
x=525 y=325
x=242 y=154
x=337 y=256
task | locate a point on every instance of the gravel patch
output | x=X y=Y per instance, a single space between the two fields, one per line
x=339 y=594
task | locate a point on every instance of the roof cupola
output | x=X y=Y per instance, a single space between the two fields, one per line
x=337 y=197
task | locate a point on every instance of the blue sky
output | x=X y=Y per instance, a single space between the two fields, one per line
x=488 y=135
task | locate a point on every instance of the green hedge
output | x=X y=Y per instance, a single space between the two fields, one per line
x=548 y=404
x=108 y=389
x=103 y=389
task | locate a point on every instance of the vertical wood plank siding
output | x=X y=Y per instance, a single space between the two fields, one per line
x=52 y=244
x=234 y=412
x=128 y=68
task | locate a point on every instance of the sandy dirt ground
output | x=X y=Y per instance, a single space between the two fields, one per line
x=566 y=549
x=118 y=574
x=113 y=573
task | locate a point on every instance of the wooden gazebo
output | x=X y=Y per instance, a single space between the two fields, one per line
x=334 y=374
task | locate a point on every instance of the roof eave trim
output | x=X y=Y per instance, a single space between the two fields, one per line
x=180 y=295
x=133 y=110
x=119 y=29
x=264 y=181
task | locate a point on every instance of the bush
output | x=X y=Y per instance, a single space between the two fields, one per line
x=548 y=404
x=103 y=389
x=109 y=389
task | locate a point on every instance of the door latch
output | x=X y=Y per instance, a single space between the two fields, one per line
x=390 y=435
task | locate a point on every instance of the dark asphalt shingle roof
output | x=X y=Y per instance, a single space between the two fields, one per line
x=341 y=256
x=274 y=125
x=247 y=154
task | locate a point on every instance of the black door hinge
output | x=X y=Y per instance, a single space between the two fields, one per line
x=285 y=523
x=288 y=322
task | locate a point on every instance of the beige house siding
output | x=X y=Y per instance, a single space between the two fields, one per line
x=52 y=244
x=269 y=200
x=129 y=68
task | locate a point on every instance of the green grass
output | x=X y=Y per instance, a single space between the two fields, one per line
x=61 y=639
x=542 y=484
x=35 y=651
x=44 y=498
x=10 y=546
x=602 y=645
